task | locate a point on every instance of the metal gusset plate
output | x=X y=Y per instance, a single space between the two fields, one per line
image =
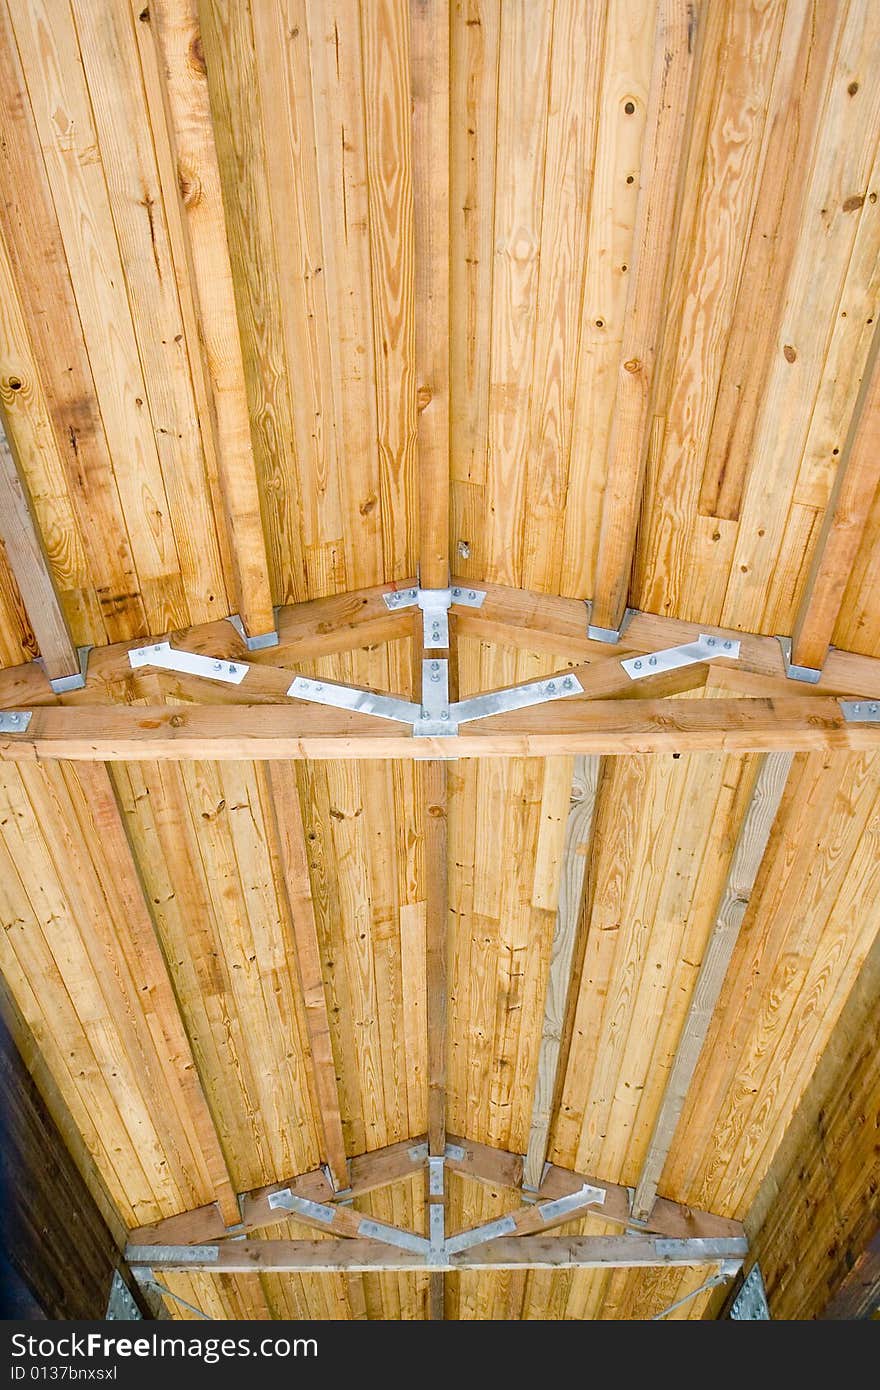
x=706 y=648
x=167 y=658
x=516 y=697
x=353 y=698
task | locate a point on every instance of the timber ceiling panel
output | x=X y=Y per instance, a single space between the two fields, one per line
x=228 y=279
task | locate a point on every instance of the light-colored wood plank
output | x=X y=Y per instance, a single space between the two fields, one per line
x=38 y=264
x=846 y=516
x=751 y=846
x=508 y=1252
x=24 y=554
x=294 y=858
x=676 y=61
x=578 y=830
x=437 y=894
x=429 y=26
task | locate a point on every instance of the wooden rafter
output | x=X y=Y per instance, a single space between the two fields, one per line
x=295 y=865
x=846 y=516
x=578 y=831
x=735 y=897
x=676 y=48
x=24 y=554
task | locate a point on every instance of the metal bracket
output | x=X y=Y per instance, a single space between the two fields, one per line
x=860 y=711
x=516 y=697
x=455 y=1153
x=706 y=648
x=435 y=605
x=168 y=658
x=808 y=674
x=610 y=635
x=62 y=684
x=302 y=1206
x=353 y=698
x=157 y=1256
x=436 y=1165
x=750 y=1304
x=259 y=643
x=392 y=1235
x=435 y=717
x=121 y=1306
x=585 y=1197
x=15 y=721
x=478 y=1235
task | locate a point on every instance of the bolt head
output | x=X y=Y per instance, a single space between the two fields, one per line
x=218 y=665
x=568 y=683
x=727 y=646
x=233 y=670
x=444 y=714
x=652 y=661
x=394 y=600
x=456 y=593
x=15 y=719
x=158 y=647
x=318 y=687
x=472 y=593
x=424 y=714
x=637 y=666
x=872 y=709
x=551 y=686
x=710 y=642
x=435 y=665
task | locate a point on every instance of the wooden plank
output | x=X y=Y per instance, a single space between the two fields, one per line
x=775 y=229
x=814 y=1218
x=747 y=857
x=294 y=858
x=181 y=113
x=843 y=527
x=37 y=258
x=437 y=894
x=429 y=80
x=234 y=89
x=523 y=97
x=52 y=1231
x=63 y=112
x=106 y=822
x=24 y=553
x=859 y=1294
x=578 y=830
x=676 y=50
x=511 y=1252
x=134 y=733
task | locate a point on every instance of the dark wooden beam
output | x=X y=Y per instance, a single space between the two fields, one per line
x=52 y=1234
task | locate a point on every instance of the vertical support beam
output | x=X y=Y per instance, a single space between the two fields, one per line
x=28 y=563
x=435 y=803
x=846 y=516
x=109 y=826
x=429 y=76
x=665 y=154
x=294 y=860
x=578 y=832
x=747 y=856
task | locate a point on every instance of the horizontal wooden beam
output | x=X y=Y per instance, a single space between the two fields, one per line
x=511 y=1252
x=147 y=733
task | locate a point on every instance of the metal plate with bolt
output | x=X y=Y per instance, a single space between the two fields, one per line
x=14 y=721
x=706 y=648
x=750 y=1304
x=167 y=658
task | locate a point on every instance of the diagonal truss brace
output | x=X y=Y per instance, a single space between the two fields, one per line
x=436 y=716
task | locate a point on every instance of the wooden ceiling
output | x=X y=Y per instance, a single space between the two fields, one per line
x=279 y=279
